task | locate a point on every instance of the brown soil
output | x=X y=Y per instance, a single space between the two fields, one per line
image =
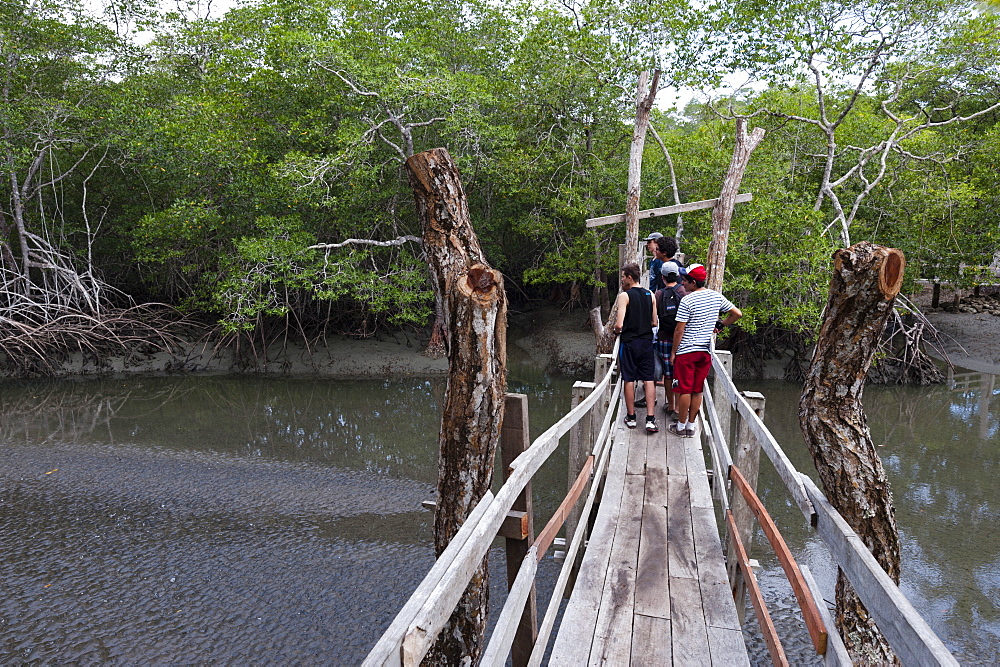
x=969 y=340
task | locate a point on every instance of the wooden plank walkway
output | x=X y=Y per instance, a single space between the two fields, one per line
x=652 y=587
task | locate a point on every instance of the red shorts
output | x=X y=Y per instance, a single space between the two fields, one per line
x=690 y=371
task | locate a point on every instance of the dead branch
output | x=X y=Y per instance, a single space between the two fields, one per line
x=394 y=242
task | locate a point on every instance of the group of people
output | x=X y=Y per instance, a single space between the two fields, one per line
x=666 y=334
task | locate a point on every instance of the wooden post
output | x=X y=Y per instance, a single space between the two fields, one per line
x=719 y=384
x=580 y=446
x=475 y=312
x=746 y=457
x=602 y=365
x=722 y=214
x=514 y=439
x=643 y=104
x=866 y=280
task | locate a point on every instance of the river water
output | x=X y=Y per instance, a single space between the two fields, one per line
x=222 y=518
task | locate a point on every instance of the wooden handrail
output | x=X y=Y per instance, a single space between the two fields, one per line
x=756 y=597
x=810 y=612
x=548 y=533
x=789 y=475
x=721 y=459
x=425 y=614
x=903 y=627
x=906 y=631
x=420 y=620
x=496 y=651
x=549 y=620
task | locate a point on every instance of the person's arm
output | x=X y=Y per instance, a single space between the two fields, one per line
x=656 y=319
x=731 y=317
x=622 y=302
x=678 y=334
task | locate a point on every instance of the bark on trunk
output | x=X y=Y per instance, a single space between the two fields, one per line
x=866 y=280
x=643 y=104
x=474 y=308
x=722 y=214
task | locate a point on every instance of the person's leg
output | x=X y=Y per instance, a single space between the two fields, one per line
x=650 y=396
x=626 y=365
x=695 y=406
x=668 y=376
x=702 y=365
x=629 y=389
x=683 y=406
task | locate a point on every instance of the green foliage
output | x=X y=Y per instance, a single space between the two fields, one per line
x=231 y=145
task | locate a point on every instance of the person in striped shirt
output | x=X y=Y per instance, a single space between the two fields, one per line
x=697 y=320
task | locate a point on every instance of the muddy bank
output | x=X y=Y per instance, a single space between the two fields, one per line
x=557 y=339
x=968 y=336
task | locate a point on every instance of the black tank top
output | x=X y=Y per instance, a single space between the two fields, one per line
x=638 y=315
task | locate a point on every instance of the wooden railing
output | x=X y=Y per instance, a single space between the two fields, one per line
x=417 y=625
x=906 y=631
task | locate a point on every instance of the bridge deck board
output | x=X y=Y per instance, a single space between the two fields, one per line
x=652 y=587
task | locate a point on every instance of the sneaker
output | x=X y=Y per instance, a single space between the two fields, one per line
x=689 y=433
x=673 y=427
x=630 y=421
x=651 y=426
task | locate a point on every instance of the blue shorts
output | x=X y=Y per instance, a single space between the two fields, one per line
x=635 y=358
x=663 y=348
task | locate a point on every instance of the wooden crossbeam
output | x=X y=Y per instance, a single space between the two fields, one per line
x=665 y=210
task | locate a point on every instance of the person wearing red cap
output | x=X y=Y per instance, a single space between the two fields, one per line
x=697 y=319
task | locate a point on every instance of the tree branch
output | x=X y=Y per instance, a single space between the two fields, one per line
x=395 y=242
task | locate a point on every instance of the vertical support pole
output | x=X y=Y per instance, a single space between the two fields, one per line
x=514 y=439
x=623 y=257
x=602 y=365
x=746 y=457
x=580 y=446
x=722 y=405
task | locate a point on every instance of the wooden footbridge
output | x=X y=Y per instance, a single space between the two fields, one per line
x=650 y=578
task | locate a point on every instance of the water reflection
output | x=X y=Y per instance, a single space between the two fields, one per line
x=982 y=385
x=941 y=449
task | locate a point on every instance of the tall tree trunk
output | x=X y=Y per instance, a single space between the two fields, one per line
x=474 y=308
x=643 y=105
x=722 y=214
x=866 y=280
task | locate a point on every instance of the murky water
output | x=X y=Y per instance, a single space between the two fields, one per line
x=183 y=519
x=237 y=519
x=941 y=449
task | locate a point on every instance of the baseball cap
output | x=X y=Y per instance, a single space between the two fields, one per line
x=670 y=268
x=653 y=236
x=697 y=272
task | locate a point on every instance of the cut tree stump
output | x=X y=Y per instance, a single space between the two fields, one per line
x=866 y=280
x=474 y=310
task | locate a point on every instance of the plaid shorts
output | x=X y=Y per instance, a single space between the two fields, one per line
x=662 y=348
